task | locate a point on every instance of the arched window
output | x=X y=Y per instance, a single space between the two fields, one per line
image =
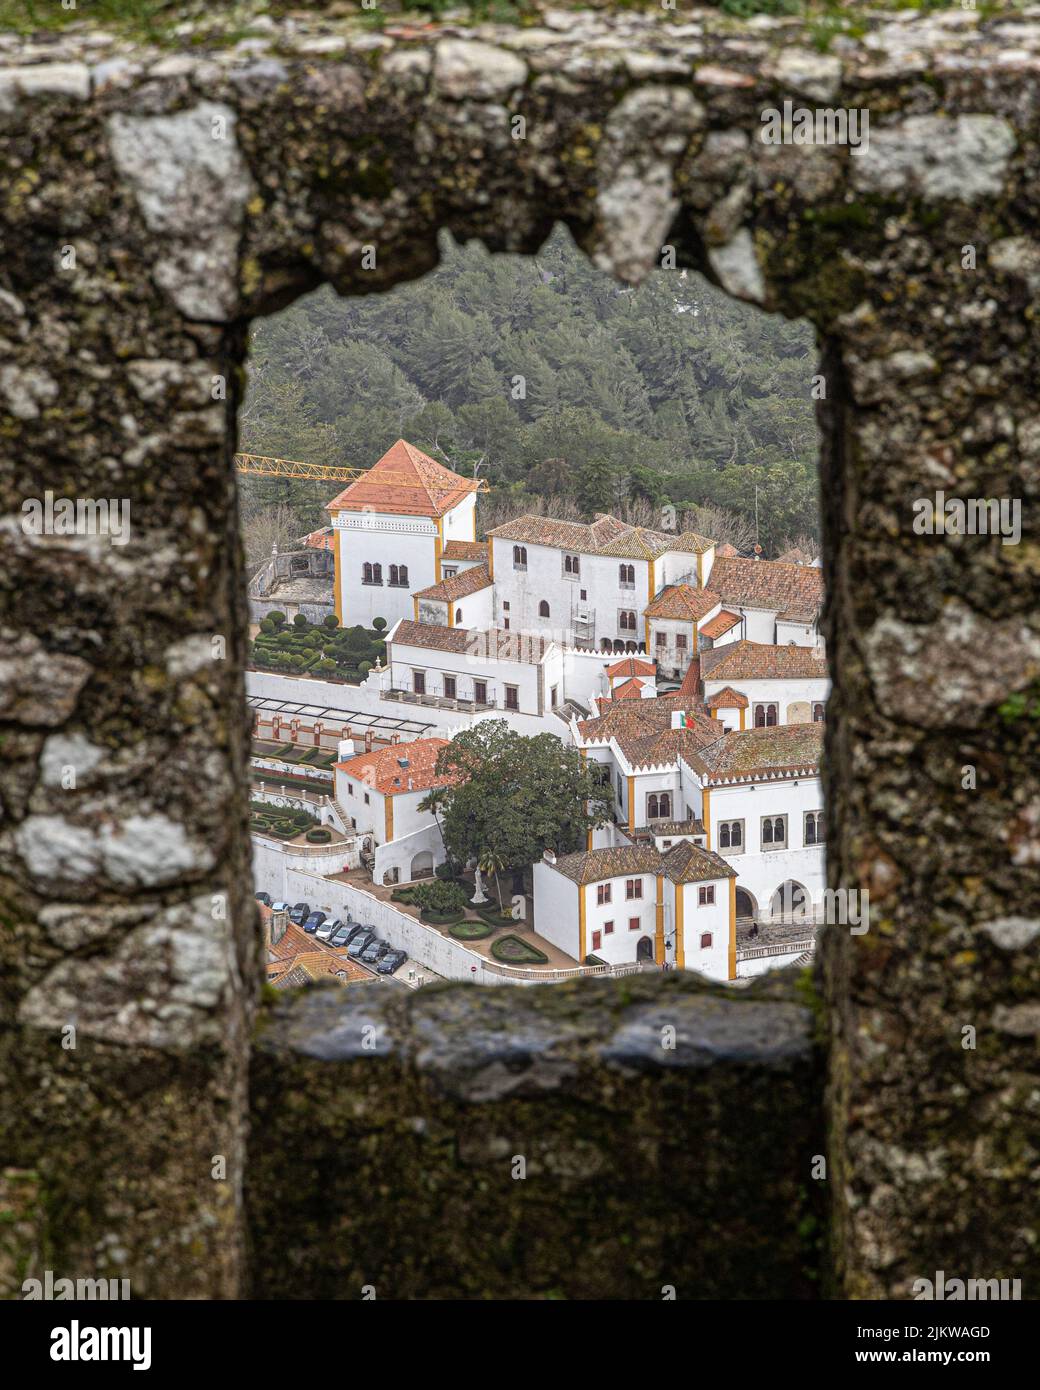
x=818 y=713
x=604 y=645
x=377 y=574
x=666 y=805
x=543 y=609
x=651 y=806
x=730 y=834
x=627 y=576
x=458 y=615
x=366 y=574
x=519 y=557
x=765 y=716
x=393 y=574
x=402 y=571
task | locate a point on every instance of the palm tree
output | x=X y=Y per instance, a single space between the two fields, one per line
x=491 y=862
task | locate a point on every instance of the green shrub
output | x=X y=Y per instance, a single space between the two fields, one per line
x=436 y=896
x=489 y=913
x=309 y=662
x=267 y=625
x=512 y=950
x=318 y=837
x=379 y=624
x=330 y=620
x=326 y=667
x=441 y=919
x=470 y=931
x=448 y=871
x=300 y=621
x=276 y=617
x=295 y=662
x=364 y=668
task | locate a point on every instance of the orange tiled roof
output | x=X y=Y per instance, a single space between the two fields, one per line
x=785 y=750
x=691 y=683
x=496 y=644
x=727 y=698
x=399 y=767
x=683 y=863
x=720 y=624
x=749 y=661
x=322 y=539
x=631 y=666
x=682 y=602
x=458 y=585
x=464 y=550
x=604 y=536
x=791 y=591
x=299 y=958
x=629 y=690
x=404 y=482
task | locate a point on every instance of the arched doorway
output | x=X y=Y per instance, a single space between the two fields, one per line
x=645 y=948
x=746 y=904
x=791 y=903
x=422 y=864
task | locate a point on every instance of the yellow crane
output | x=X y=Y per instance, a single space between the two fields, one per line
x=259 y=465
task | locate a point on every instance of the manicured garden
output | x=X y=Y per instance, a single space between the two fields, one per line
x=285 y=823
x=318 y=649
x=513 y=950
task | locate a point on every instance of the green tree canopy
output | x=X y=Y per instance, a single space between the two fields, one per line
x=516 y=796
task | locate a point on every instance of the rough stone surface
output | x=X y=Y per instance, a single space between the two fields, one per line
x=915 y=263
x=666 y=1135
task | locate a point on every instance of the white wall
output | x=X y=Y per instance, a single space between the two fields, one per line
x=556 y=908
x=760 y=871
x=619 y=947
x=545 y=579
x=713 y=960
x=271 y=863
x=402 y=849
x=380 y=538
x=782 y=693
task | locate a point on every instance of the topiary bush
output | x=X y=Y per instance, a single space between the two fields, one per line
x=267 y=625
x=379 y=624
x=318 y=837
x=330 y=621
x=512 y=950
x=470 y=931
x=301 y=622
x=276 y=617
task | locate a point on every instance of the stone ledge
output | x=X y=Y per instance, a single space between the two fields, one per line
x=388 y=1128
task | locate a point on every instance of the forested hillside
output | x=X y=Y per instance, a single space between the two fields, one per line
x=567 y=391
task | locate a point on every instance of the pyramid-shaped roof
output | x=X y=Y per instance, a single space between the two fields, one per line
x=404 y=482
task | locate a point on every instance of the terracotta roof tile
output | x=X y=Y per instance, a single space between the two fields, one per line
x=785 y=749
x=495 y=644
x=631 y=666
x=747 y=661
x=791 y=591
x=464 y=550
x=398 y=768
x=720 y=624
x=686 y=862
x=458 y=585
x=629 y=690
x=727 y=698
x=683 y=863
x=604 y=536
x=682 y=602
x=404 y=482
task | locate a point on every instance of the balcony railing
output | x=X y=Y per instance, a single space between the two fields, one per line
x=413 y=697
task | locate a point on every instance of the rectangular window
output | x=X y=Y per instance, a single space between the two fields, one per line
x=774 y=833
x=620 y=786
x=449 y=571
x=633 y=887
x=584 y=594
x=419 y=682
x=661 y=639
x=480 y=692
x=505 y=605
x=731 y=837
x=608 y=928
x=680 y=642
x=512 y=697
x=505 y=624
x=350 y=788
x=553 y=693
x=597 y=940
x=706 y=895
x=603 y=893
x=449 y=687
x=705 y=940
x=367 y=800
x=633 y=924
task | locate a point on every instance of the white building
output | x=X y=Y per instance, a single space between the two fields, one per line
x=390 y=530
x=378 y=794
x=778 y=603
x=631 y=903
x=588 y=583
x=778 y=684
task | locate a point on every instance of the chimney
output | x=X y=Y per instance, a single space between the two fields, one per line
x=279 y=921
x=548 y=856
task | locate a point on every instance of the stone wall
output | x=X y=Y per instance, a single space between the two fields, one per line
x=154 y=199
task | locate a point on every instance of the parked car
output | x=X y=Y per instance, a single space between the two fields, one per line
x=279 y=907
x=327 y=928
x=264 y=898
x=364 y=938
x=340 y=937
x=391 y=962
x=300 y=913
x=374 y=952
x=354 y=927
x=313 y=922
